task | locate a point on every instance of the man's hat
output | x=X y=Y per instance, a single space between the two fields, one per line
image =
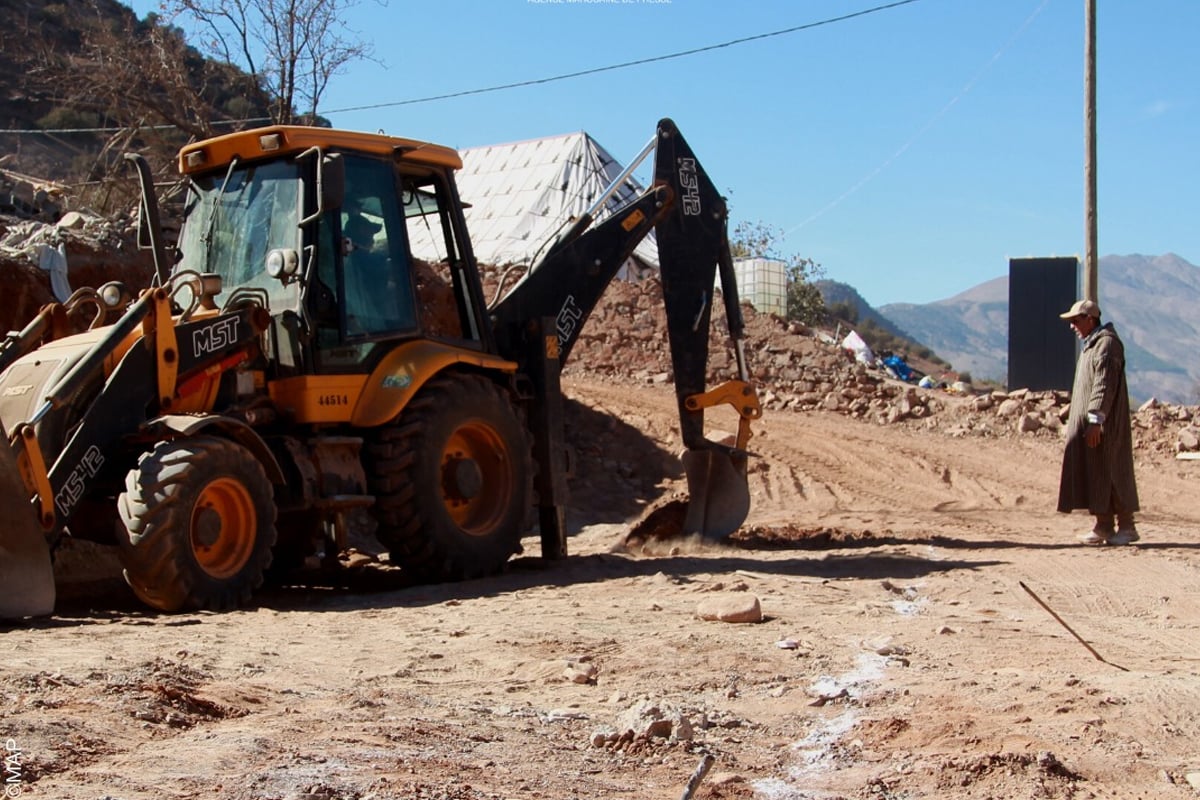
x=358 y=222
x=1082 y=308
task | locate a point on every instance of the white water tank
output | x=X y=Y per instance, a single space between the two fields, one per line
x=762 y=282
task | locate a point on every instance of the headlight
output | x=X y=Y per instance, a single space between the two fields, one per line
x=114 y=294
x=283 y=264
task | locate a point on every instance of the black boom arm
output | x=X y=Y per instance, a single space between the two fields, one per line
x=690 y=220
x=568 y=282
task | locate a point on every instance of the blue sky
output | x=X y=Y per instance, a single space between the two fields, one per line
x=910 y=151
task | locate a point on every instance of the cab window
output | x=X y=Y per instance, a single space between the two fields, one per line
x=364 y=287
x=376 y=269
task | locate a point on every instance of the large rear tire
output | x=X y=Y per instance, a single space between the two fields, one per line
x=199 y=519
x=453 y=480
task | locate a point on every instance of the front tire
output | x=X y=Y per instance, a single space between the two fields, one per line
x=199 y=525
x=453 y=480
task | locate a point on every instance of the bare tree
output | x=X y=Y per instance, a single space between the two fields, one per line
x=101 y=83
x=292 y=48
x=161 y=93
x=147 y=79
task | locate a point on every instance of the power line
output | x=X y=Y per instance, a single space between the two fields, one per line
x=164 y=127
x=539 y=81
x=636 y=63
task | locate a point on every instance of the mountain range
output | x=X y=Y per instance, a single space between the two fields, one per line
x=1153 y=301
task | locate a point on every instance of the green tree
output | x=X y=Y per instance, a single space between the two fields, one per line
x=844 y=311
x=759 y=240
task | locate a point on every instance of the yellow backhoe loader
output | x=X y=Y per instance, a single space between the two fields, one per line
x=293 y=360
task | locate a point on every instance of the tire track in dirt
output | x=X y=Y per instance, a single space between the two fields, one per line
x=1149 y=700
x=838 y=471
x=831 y=486
x=1139 y=630
x=916 y=487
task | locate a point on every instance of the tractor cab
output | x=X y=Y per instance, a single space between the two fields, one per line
x=319 y=231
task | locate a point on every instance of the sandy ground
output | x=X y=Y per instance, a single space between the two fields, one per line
x=902 y=653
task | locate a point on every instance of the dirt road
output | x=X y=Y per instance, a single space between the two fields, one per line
x=901 y=652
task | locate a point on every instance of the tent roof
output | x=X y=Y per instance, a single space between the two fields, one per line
x=520 y=194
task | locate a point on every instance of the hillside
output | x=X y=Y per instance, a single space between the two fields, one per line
x=970 y=330
x=836 y=293
x=41 y=46
x=82 y=81
x=847 y=307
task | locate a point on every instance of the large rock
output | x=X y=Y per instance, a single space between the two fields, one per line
x=731 y=607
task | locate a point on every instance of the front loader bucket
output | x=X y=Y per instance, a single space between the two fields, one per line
x=26 y=576
x=718 y=492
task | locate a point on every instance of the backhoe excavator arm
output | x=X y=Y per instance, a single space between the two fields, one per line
x=690 y=220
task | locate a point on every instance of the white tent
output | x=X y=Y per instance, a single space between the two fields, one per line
x=521 y=194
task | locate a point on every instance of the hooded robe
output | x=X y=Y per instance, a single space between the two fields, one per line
x=1099 y=478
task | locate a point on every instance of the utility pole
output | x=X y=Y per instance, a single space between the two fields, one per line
x=1091 y=268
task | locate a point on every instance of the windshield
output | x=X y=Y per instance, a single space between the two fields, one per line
x=233 y=220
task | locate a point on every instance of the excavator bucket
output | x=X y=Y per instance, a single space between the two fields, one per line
x=26 y=576
x=718 y=493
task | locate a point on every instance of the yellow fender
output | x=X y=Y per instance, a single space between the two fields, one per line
x=402 y=373
x=367 y=401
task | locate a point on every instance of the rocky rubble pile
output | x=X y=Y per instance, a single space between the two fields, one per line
x=43 y=261
x=798 y=369
x=794 y=368
x=30 y=198
x=1167 y=428
x=1157 y=427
